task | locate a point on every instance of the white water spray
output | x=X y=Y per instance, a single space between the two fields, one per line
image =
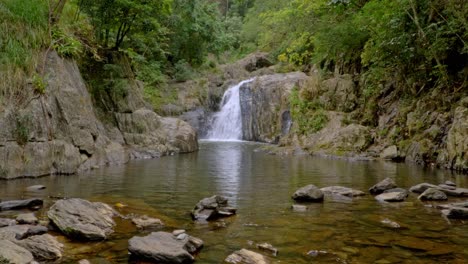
x=227 y=123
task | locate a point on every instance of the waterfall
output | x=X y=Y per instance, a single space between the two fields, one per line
x=227 y=123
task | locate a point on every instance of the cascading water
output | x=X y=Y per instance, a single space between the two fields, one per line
x=227 y=123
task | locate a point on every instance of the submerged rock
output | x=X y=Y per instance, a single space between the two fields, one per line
x=212 y=208
x=81 y=219
x=433 y=194
x=389 y=223
x=43 y=247
x=245 y=256
x=382 y=186
x=34 y=203
x=14 y=253
x=146 y=222
x=299 y=208
x=340 y=190
x=309 y=193
x=163 y=247
x=35 y=188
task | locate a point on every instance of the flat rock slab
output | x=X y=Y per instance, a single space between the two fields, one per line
x=340 y=190
x=380 y=187
x=81 y=219
x=34 y=203
x=43 y=247
x=309 y=193
x=163 y=247
x=212 y=208
x=420 y=188
x=450 y=191
x=14 y=253
x=28 y=218
x=7 y=222
x=245 y=256
x=391 y=197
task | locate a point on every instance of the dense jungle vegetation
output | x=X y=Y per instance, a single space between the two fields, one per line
x=419 y=44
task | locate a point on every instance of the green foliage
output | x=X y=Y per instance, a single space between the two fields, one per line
x=309 y=115
x=39 y=84
x=66 y=45
x=183 y=71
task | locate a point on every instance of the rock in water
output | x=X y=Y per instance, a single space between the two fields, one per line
x=34 y=203
x=146 y=222
x=309 y=193
x=433 y=194
x=299 y=208
x=14 y=253
x=35 y=188
x=392 y=197
x=43 y=247
x=340 y=190
x=28 y=218
x=455 y=210
x=212 y=208
x=163 y=247
x=81 y=219
x=245 y=256
x=6 y=222
x=380 y=187
x=420 y=188
x=268 y=248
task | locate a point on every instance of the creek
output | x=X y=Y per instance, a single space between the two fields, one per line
x=260 y=186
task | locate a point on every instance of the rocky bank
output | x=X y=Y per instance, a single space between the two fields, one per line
x=60 y=132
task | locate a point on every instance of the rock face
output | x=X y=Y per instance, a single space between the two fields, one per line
x=81 y=219
x=309 y=193
x=340 y=190
x=212 y=208
x=14 y=253
x=380 y=187
x=245 y=256
x=43 y=247
x=265 y=106
x=163 y=247
x=34 y=203
x=59 y=133
x=433 y=194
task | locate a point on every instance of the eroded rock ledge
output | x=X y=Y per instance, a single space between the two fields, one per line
x=59 y=132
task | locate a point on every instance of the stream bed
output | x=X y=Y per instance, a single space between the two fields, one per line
x=260 y=186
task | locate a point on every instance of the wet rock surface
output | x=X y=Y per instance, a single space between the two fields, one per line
x=34 y=203
x=163 y=247
x=455 y=210
x=81 y=219
x=392 y=197
x=432 y=194
x=212 y=208
x=28 y=218
x=309 y=193
x=380 y=187
x=344 y=191
x=245 y=256
x=146 y=222
x=43 y=247
x=14 y=253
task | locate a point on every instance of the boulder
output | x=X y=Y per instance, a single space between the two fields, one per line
x=14 y=254
x=34 y=203
x=163 y=247
x=433 y=194
x=146 y=222
x=391 y=197
x=389 y=153
x=212 y=208
x=81 y=219
x=28 y=218
x=380 y=187
x=396 y=190
x=420 y=188
x=309 y=193
x=339 y=190
x=455 y=210
x=268 y=248
x=245 y=256
x=180 y=134
x=43 y=247
x=6 y=222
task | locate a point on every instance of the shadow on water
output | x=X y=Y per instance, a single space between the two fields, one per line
x=260 y=185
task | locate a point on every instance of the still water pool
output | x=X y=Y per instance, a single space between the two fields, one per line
x=260 y=186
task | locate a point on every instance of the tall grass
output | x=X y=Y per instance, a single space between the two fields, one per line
x=23 y=35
